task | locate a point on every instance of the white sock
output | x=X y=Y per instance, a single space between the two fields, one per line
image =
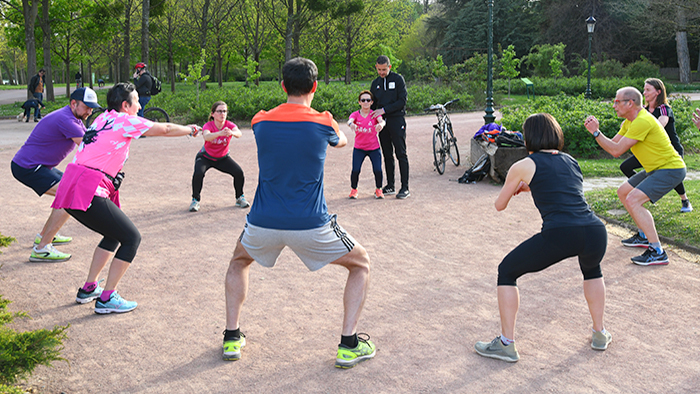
x=506 y=341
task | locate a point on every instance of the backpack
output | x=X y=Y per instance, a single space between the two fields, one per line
x=155 y=86
x=509 y=139
x=478 y=171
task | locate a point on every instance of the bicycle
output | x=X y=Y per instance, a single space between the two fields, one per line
x=154 y=114
x=444 y=141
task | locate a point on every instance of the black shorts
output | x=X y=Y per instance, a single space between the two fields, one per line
x=39 y=178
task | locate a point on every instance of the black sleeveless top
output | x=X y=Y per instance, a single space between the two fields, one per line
x=557 y=189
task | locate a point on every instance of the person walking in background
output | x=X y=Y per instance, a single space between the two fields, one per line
x=78 y=79
x=144 y=83
x=217 y=134
x=390 y=95
x=34 y=165
x=657 y=104
x=290 y=210
x=89 y=192
x=663 y=169
x=366 y=143
x=569 y=228
x=36 y=88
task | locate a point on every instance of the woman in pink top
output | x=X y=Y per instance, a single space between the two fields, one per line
x=366 y=143
x=217 y=135
x=89 y=191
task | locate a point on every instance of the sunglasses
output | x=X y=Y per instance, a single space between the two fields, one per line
x=365 y=100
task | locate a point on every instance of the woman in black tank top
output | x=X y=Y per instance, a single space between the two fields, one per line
x=569 y=228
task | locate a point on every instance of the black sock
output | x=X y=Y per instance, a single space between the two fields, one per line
x=350 y=341
x=230 y=335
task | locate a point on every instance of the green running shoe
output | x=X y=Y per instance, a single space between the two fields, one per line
x=348 y=358
x=496 y=349
x=58 y=239
x=48 y=254
x=600 y=341
x=232 y=349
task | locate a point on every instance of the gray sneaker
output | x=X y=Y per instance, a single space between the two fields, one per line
x=241 y=202
x=496 y=349
x=194 y=206
x=601 y=341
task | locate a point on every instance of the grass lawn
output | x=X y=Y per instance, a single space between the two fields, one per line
x=611 y=167
x=683 y=228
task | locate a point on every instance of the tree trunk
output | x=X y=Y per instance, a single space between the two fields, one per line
x=67 y=64
x=682 y=46
x=145 y=15
x=289 y=32
x=89 y=75
x=203 y=40
x=30 y=11
x=125 y=66
x=46 y=45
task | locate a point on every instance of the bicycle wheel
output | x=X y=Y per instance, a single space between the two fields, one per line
x=95 y=113
x=156 y=114
x=439 y=151
x=451 y=140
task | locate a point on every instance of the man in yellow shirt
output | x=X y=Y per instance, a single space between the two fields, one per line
x=663 y=167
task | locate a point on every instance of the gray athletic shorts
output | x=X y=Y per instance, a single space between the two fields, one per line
x=316 y=247
x=657 y=183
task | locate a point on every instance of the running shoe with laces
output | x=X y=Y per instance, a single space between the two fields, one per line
x=232 y=348
x=496 y=349
x=651 y=257
x=348 y=358
x=194 y=206
x=48 y=254
x=600 y=340
x=84 y=297
x=241 y=202
x=403 y=194
x=378 y=194
x=116 y=304
x=686 y=207
x=57 y=239
x=353 y=194
x=636 y=240
x=388 y=190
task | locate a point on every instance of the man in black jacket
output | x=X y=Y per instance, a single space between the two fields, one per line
x=390 y=95
x=36 y=88
x=143 y=82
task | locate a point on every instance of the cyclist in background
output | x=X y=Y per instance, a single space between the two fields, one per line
x=143 y=82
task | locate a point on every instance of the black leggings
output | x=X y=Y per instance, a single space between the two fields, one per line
x=225 y=164
x=632 y=163
x=104 y=217
x=552 y=246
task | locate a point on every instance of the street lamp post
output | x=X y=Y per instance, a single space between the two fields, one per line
x=489 y=117
x=590 y=24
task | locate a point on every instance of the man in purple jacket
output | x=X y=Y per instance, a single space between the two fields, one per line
x=34 y=165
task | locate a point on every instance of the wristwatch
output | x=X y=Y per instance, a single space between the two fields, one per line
x=596 y=134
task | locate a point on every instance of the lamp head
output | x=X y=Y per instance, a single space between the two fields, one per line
x=590 y=23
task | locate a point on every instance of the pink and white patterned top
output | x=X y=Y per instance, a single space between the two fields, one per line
x=366 y=131
x=104 y=150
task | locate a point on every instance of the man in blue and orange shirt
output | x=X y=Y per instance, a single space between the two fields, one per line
x=290 y=209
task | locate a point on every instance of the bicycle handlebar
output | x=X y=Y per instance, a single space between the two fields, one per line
x=435 y=107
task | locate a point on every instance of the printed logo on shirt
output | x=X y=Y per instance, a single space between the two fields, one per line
x=392 y=85
x=363 y=130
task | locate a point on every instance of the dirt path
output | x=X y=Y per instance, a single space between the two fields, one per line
x=433 y=291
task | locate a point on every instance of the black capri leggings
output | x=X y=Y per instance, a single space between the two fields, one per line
x=632 y=163
x=552 y=246
x=226 y=165
x=104 y=217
